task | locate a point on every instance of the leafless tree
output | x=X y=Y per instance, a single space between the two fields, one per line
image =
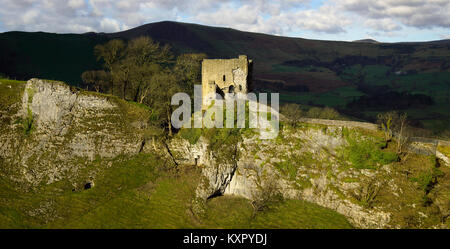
x=267 y=194
x=292 y=112
x=367 y=192
x=395 y=125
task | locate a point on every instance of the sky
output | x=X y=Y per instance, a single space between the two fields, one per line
x=344 y=20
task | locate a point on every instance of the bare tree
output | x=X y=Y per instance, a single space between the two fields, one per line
x=188 y=69
x=145 y=72
x=121 y=77
x=163 y=86
x=323 y=113
x=145 y=58
x=110 y=53
x=292 y=112
x=267 y=194
x=385 y=122
x=396 y=125
x=367 y=192
x=403 y=134
x=100 y=79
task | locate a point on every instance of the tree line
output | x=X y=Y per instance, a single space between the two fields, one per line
x=143 y=71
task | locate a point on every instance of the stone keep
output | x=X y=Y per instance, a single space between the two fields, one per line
x=224 y=76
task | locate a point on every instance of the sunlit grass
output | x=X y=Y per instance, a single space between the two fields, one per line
x=141 y=193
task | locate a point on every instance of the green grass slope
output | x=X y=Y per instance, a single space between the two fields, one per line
x=138 y=192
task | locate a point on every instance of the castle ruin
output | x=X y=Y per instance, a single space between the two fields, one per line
x=225 y=76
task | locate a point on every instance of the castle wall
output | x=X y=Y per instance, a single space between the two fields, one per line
x=229 y=75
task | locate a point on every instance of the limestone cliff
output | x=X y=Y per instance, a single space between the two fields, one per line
x=309 y=163
x=56 y=129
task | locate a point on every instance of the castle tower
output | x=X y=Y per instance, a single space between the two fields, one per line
x=224 y=76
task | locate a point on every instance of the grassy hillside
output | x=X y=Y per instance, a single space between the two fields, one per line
x=147 y=191
x=129 y=191
x=44 y=55
x=138 y=192
x=304 y=71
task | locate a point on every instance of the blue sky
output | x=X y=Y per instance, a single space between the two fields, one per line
x=346 y=20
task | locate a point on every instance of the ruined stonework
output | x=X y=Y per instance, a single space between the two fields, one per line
x=224 y=76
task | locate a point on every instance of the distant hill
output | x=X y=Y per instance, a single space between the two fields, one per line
x=66 y=56
x=367 y=41
x=310 y=72
x=445 y=41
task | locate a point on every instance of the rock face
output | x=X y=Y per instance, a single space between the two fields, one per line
x=306 y=164
x=257 y=166
x=217 y=175
x=65 y=129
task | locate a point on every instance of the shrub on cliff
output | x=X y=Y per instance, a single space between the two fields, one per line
x=367 y=154
x=323 y=113
x=292 y=112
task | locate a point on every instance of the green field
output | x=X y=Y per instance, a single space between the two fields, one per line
x=435 y=117
x=139 y=193
x=338 y=97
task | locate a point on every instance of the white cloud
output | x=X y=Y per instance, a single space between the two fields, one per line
x=386 y=25
x=244 y=17
x=97 y=6
x=109 y=25
x=414 y=13
x=250 y=17
x=325 y=19
x=76 y=4
x=29 y=16
x=113 y=15
x=334 y=17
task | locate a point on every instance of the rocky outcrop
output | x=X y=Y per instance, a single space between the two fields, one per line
x=262 y=161
x=443 y=157
x=217 y=174
x=58 y=130
x=341 y=123
x=307 y=163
